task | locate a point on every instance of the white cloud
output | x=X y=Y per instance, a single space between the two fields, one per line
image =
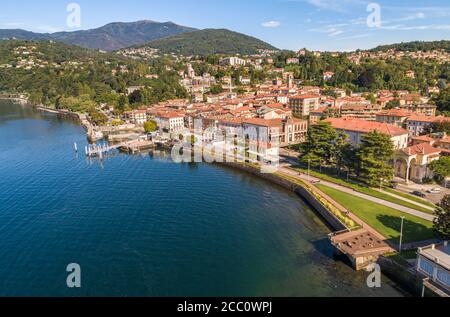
x=12 y=24
x=271 y=24
x=330 y=30
x=48 y=29
x=337 y=32
x=402 y=27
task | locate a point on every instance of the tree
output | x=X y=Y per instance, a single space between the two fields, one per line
x=392 y=104
x=150 y=126
x=443 y=100
x=442 y=222
x=440 y=126
x=374 y=158
x=322 y=145
x=441 y=168
x=216 y=89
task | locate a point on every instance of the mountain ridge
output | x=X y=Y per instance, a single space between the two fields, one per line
x=210 y=41
x=110 y=37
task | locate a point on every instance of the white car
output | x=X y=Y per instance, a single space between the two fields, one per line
x=434 y=190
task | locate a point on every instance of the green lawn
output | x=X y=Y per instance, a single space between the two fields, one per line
x=383 y=219
x=368 y=191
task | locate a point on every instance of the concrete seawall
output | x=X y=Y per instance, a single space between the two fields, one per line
x=328 y=216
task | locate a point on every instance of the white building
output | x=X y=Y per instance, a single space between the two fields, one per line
x=418 y=124
x=233 y=61
x=171 y=122
x=357 y=128
x=136 y=116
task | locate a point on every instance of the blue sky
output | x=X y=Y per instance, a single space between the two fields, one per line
x=290 y=24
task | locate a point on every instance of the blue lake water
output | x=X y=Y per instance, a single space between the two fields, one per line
x=144 y=226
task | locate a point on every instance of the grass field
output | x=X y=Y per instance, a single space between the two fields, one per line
x=370 y=191
x=385 y=220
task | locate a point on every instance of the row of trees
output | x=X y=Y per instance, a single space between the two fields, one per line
x=371 y=161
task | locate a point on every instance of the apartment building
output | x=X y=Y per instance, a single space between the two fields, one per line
x=301 y=105
x=138 y=117
x=170 y=122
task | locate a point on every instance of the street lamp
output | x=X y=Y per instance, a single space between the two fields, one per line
x=309 y=167
x=401 y=235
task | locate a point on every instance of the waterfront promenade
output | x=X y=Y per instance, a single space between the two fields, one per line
x=350 y=191
x=290 y=161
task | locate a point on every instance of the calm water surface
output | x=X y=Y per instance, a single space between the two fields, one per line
x=144 y=226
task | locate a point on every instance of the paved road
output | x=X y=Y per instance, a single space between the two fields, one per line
x=284 y=168
x=407 y=200
x=435 y=198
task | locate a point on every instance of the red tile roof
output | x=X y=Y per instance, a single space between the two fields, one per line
x=422 y=118
x=396 y=113
x=423 y=149
x=264 y=122
x=302 y=97
x=363 y=126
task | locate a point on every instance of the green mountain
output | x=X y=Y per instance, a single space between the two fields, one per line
x=210 y=41
x=415 y=46
x=50 y=72
x=110 y=37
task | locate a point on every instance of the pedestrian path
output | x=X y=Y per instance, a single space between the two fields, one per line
x=350 y=191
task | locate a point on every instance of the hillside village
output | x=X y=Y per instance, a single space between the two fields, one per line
x=291 y=107
x=337 y=127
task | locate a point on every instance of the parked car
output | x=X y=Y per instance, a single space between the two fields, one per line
x=435 y=190
x=418 y=194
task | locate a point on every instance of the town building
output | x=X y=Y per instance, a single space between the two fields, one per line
x=357 y=128
x=328 y=76
x=301 y=105
x=395 y=117
x=411 y=163
x=360 y=111
x=136 y=116
x=419 y=124
x=233 y=61
x=170 y=122
x=292 y=60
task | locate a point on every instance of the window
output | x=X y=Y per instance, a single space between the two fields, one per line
x=443 y=277
x=426 y=267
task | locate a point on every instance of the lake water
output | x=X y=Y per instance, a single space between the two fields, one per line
x=144 y=226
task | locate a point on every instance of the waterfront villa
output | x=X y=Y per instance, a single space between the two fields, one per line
x=171 y=122
x=136 y=116
x=357 y=128
x=412 y=162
